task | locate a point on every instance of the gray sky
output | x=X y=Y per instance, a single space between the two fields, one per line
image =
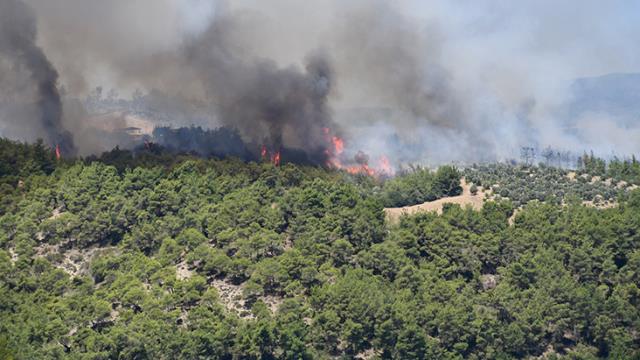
x=461 y=77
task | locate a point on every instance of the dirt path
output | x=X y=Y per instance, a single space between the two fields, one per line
x=475 y=201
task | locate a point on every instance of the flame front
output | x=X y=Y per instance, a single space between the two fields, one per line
x=275 y=158
x=335 y=158
x=384 y=166
x=338 y=145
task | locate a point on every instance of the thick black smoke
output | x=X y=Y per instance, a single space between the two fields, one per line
x=417 y=81
x=222 y=142
x=18 y=33
x=277 y=107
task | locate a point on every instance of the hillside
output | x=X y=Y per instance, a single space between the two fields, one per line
x=467 y=198
x=149 y=258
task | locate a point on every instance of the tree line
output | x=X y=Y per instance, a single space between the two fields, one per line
x=104 y=260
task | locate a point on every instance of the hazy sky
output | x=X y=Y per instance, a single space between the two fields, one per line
x=522 y=48
x=460 y=76
x=544 y=42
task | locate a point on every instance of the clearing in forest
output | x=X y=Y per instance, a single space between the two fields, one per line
x=466 y=198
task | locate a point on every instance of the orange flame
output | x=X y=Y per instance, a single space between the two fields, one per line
x=58 y=154
x=384 y=166
x=275 y=159
x=363 y=169
x=338 y=145
x=263 y=152
x=335 y=149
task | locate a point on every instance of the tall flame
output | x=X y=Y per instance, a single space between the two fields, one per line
x=335 y=151
x=58 y=154
x=263 y=152
x=384 y=166
x=275 y=158
x=338 y=145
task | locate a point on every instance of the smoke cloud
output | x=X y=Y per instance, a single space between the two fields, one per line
x=417 y=81
x=267 y=103
x=18 y=45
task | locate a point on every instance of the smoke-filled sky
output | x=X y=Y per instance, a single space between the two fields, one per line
x=419 y=81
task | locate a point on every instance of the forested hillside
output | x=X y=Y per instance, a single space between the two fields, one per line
x=147 y=256
x=522 y=184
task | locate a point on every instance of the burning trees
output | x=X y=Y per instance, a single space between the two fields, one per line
x=274 y=157
x=337 y=158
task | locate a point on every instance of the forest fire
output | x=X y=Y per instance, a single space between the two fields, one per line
x=338 y=144
x=274 y=158
x=335 y=156
x=263 y=152
x=58 y=154
x=384 y=165
x=360 y=162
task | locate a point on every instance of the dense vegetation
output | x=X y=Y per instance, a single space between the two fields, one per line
x=19 y=161
x=194 y=258
x=617 y=169
x=522 y=184
x=417 y=185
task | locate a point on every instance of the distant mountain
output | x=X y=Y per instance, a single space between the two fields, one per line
x=617 y=95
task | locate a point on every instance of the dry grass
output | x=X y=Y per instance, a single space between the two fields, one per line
x=465 y=199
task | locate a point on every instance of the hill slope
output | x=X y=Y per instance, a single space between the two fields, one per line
x=222 y=259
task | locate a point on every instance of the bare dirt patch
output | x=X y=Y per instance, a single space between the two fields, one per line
x=183 y=272
x=230 y=294
x=465 y=199
x=231 y=297
x=368 y=354
x=56 y=213
x=601 y=204
x=73 y=261
x=512 y=218
x=14 y=255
